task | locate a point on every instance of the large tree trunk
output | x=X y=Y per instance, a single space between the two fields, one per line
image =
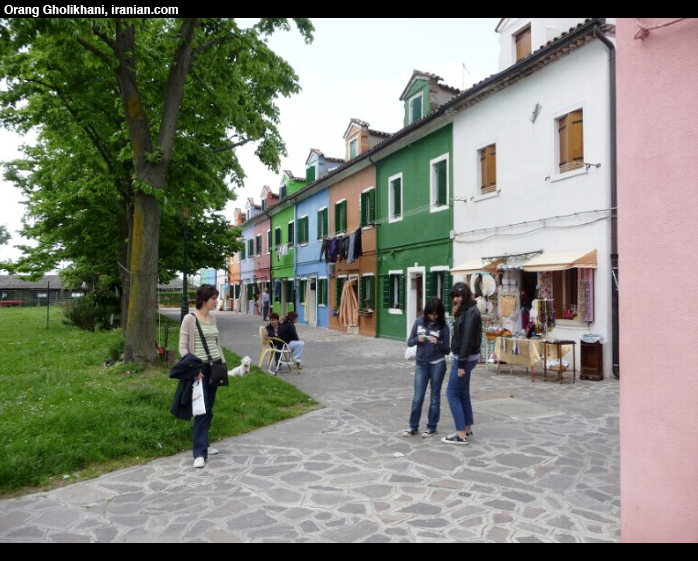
x=142 y=310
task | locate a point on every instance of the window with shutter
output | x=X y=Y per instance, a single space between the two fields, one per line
x=366 y=296
x=340 y=217
x=439 y=182
x=259 y=245
x=416 y=108
x=488 y=169
x=322 y=292
x=523 y=43
x=303 y=228
x=310 y=174
x=367 y=207
x=277 y=237
x=339 y=286
x=395 y=197
x=291 y=234
x=386 y=291
x=571 y=141
x=322 y=228
x=353 y=149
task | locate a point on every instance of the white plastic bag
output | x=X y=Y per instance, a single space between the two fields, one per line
x=198 y=405
x=410 y=353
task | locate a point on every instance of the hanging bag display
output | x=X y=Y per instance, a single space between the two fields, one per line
x=219 y=370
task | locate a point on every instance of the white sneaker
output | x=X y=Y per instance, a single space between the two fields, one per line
x=212 y=451
x=199 y=462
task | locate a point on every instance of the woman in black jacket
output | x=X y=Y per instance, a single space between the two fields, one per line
x=465 y=346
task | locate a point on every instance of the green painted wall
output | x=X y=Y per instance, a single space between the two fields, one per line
x=421 y=238
x=418 y=86
x=284 y=267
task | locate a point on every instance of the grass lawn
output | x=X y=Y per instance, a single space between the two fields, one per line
x=65 y=417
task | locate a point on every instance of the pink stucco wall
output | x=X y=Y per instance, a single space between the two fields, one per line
x=657 y=100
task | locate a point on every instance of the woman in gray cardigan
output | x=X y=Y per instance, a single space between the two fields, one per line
x=190 y=343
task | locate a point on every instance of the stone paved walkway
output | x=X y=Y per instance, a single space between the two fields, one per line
x=543 y=465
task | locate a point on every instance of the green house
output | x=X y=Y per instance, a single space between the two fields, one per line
x=415 y=212
x=283 y=236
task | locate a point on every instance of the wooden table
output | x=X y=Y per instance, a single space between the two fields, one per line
x=517 y=352
x=555 y=349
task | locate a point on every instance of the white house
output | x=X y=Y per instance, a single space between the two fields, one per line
x=534 y=178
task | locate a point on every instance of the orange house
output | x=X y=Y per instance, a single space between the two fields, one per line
x=352 y=215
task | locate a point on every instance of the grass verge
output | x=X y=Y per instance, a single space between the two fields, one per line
x=65 y=417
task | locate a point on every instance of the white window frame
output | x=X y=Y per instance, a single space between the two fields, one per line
x=373 y=288
x=391 y=217
x=258 y=250
x=353 y=144
x=395 y=276
x=300 y=220
x=375 y=218
x=291 y=242
x=270 y=241
x=410 y=104
x=433 y=179
x=321 y=212
x=337 y=231
x=326 y=282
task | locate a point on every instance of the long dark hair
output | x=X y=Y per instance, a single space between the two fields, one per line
x=461 y=289
x=435 y=306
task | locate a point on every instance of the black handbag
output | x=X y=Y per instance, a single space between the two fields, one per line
x=219 y=370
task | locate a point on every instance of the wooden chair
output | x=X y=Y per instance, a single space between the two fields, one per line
x=283 y=356
x=267 y=348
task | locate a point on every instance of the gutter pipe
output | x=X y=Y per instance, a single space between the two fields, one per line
x=614 y=198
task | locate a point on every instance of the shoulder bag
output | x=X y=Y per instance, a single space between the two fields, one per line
x=219 y=370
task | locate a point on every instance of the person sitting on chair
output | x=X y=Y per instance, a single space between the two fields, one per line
x=288 y=333
x=273 y=327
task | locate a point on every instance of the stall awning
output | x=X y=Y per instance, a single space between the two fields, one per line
x=561 y=261
x=475 y=265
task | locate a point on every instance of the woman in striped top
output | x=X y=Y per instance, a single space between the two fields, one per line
x=190 y=342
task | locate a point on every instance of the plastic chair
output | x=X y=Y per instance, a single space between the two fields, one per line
x=267 y=347
x=283 y=356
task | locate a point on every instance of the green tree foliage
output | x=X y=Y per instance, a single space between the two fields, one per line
x=4 y=235
x=136 y=118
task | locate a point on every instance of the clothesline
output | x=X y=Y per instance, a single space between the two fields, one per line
x=345 y=248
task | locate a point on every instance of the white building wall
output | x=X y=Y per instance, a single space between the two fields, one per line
x=535 y=207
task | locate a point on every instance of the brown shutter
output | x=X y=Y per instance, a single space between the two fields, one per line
x=576 y=139
x=488 y=169
x=523 y=43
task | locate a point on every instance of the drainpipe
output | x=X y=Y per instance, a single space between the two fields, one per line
x=376 y=315
x=614 y=198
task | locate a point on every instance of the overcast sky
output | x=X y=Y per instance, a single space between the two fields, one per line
x=354 y=68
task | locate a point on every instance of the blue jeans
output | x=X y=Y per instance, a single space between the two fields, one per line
x=432 y=374
x=297 y=349
x=458 y=395
x=203 y=422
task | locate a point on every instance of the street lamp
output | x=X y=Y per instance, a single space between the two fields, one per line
x=185 y=214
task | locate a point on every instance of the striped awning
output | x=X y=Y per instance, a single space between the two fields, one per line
x=475 y=265
x=561 y=261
